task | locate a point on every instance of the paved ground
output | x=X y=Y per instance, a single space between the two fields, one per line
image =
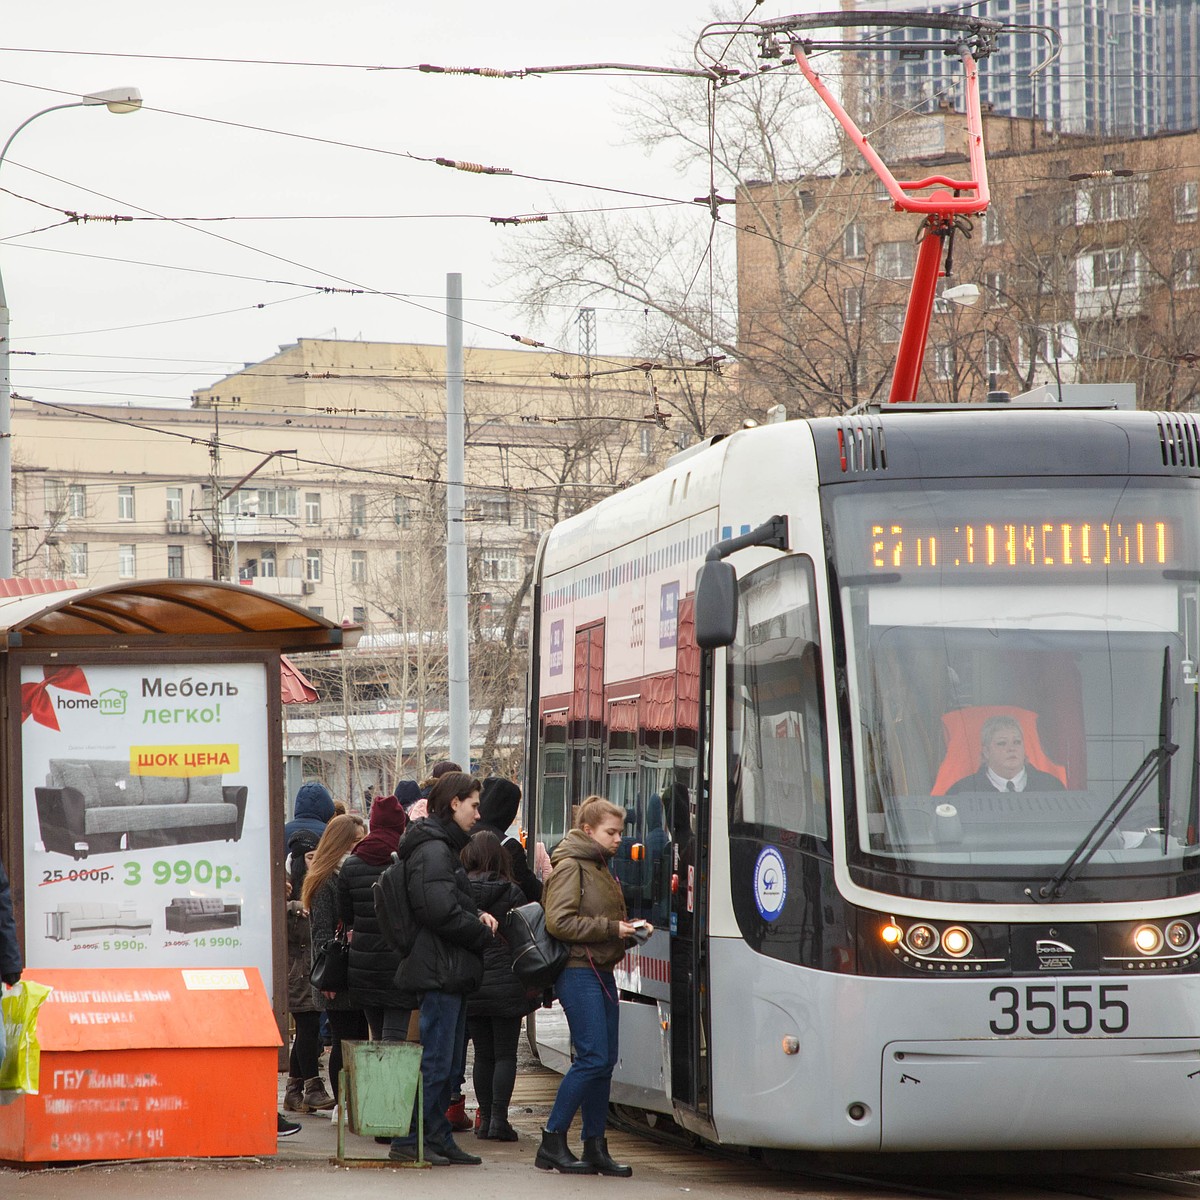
x=304 y=1162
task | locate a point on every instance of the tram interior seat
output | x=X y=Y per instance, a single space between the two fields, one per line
x=964 y=730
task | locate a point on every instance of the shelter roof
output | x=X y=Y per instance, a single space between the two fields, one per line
x=184 y=611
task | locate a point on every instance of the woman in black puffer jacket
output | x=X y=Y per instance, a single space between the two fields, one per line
x=445 y=962
x=373 y=962
x=494 y=1012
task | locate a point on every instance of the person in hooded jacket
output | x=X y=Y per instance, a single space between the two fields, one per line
x=494 y=1012
x=319 y=898
x=586 y=910
x=373 y=962
x=305 y=1091
x=313 y=810
x=498 y=807
x=445 y=962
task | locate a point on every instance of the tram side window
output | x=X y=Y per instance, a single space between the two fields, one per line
x=777 y=745
x=553 y=811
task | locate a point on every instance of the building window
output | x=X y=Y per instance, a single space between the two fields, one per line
x=277 y=502
x=358 y=510
x=312 y=565
x=402 y=511
x=994 y=357
x=993 y=234
x=267 y=565
x=317 y=610
x=359 y=614
x=645 y=446
x=852 y=298
x=1187 y=200
x=54 y=493
x=943 y=362
x=125 y=503
x=500 y=566
x=77 y=559
x=495 y=508
x=854 y=242
x=895 y=260
x=1118 y=200
x=891 y=322
x=127 y=561
x=174 y=504
x=1185 y=269
x=312 y=508
x=993 y=288
x=77 y=500
x=174 y=562
x=358 y=566
x=1113 y=269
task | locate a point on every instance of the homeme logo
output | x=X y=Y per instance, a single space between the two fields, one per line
x=109 y=703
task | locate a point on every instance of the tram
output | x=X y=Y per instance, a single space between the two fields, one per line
x=902 y=709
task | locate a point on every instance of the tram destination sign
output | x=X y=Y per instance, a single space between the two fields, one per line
x=1059 y=544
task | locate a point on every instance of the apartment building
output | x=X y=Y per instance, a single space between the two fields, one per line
x=1091 y=279
x=317 y=474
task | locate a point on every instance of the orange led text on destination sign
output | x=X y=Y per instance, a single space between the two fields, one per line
x=1069 y=544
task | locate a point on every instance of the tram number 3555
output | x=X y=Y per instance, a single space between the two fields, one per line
x=1043 y=1008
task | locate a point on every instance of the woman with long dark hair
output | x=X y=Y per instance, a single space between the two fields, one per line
x=494 y=1012
x=319 y=896
x=445 y=962
x=585 y=908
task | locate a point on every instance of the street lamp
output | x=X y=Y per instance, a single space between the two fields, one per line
x=116 y=100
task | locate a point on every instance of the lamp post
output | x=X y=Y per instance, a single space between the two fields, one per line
x=116 y=100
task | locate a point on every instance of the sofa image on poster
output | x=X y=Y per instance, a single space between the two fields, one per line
x=194 y=914
x=97 y=805
x=88 y=918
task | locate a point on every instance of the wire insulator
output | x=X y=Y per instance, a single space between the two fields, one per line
x=519 y=220
x=516 y=337
x=474 y=168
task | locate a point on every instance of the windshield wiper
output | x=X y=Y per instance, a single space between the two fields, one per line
x=1155 y=764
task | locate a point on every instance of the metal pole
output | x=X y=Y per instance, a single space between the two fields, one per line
x=456 y=538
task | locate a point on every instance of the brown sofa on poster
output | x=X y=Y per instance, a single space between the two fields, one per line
x=98 y=806
x=192 y=914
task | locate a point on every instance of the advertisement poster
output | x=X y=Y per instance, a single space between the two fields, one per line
x=146 y=810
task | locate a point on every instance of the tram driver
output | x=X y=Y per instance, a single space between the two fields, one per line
x=1004 y=767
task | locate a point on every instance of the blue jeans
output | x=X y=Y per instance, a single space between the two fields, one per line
x=590 y=1001
x=443 y=1027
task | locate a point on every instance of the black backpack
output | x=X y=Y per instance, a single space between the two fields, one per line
x=392 y=911
x=538 y=957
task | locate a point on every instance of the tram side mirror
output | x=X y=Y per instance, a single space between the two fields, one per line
x=716 y=608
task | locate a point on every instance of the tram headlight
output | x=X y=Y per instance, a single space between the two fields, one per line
x=891 y=933
x=956 y=941
x=1179 y=935
x=1148 y=939
x=921 y=939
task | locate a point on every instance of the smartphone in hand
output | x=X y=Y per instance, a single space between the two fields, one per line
x=641 y=931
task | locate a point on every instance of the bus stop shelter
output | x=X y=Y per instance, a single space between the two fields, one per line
x=141 y=813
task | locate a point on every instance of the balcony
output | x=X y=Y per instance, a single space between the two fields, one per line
x=284 y=586
x=250 y=528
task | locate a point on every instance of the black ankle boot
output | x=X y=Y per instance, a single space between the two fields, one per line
x=553 y=1155
x=595 y=1152
x=483 y=1123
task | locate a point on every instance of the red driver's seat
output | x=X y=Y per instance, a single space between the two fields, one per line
x=964 y=728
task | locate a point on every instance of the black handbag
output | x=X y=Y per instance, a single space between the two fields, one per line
x=538 y=957
x=331 y=964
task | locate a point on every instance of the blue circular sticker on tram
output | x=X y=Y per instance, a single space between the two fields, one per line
x=770 y=883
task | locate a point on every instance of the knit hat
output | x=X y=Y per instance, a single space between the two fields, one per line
x=387 y=824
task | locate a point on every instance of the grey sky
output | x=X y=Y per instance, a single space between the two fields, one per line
x=179 y=166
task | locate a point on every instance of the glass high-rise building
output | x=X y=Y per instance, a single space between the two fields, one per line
x=1106 y=80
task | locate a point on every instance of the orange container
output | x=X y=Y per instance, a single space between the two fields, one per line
x=154 y=1063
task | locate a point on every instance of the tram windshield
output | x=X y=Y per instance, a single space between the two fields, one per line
x=1023 y=673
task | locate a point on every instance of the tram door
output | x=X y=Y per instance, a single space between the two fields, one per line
x=685 y=808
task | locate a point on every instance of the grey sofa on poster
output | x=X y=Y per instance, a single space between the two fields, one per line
x=192 y=914
x=86 y=918
x=97 y=805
